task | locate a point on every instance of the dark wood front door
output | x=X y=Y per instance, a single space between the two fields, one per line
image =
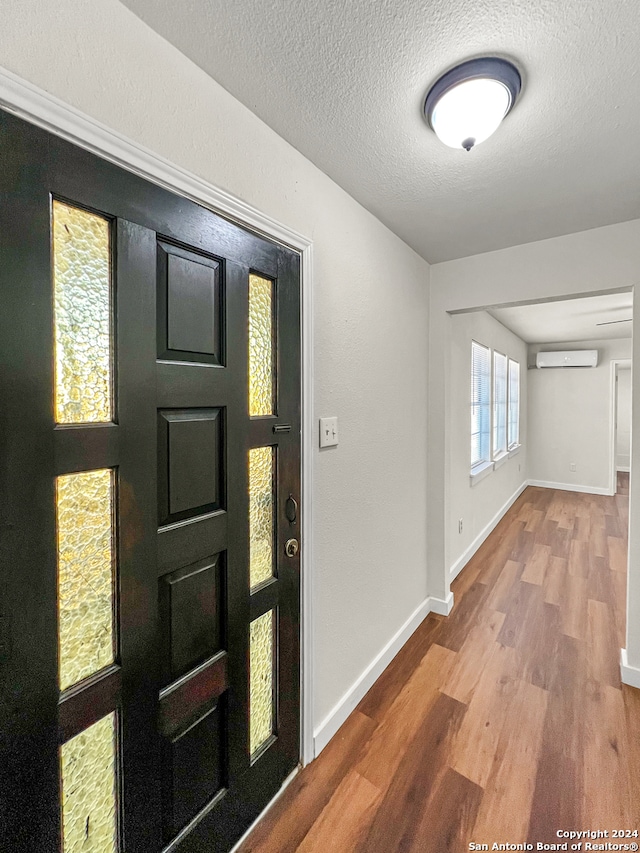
x=149 y=510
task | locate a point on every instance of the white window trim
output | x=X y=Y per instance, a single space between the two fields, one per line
x=500 y=459
x=480 y=471
x=479 y=468
x=514 y=444
x=498 y=455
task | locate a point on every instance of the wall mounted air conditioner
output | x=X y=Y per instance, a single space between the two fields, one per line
x=575 y=358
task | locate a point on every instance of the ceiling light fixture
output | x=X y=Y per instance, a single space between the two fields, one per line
x=466 y=105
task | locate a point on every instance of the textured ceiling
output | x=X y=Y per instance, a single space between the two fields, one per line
x=569 y=320
x=344 y=82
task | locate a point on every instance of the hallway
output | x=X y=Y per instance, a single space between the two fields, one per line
x=504 y=722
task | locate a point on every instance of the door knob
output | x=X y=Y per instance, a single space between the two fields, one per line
x=291 y=547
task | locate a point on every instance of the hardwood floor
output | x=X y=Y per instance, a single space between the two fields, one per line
x=504 y=722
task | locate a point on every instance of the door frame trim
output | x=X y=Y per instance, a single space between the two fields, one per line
x=613 y=394
x=38 y=107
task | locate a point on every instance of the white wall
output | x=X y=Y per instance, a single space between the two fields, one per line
x=623 y=420
x=370 y=308
x=478 y=505
x=570 y=418
x=588 y=263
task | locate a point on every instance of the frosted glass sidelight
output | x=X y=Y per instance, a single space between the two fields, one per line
x=261 y=681
x=261 y=500
x=82 y=302
x=261 y=366
x=88 y=771
x=85 y=574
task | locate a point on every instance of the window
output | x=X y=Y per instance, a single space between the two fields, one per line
x=514 y=403
x=495 y=409
x=480 y=403
x=499 y=404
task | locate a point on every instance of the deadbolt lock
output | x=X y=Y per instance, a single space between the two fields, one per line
x=291 y=547
x=291 y=509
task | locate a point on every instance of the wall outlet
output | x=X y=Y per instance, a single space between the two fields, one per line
x=572 y=466
x=459 y=525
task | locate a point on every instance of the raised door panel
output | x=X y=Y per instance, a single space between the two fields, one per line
x=192 y=605
x=190 y=306
x=190 y=463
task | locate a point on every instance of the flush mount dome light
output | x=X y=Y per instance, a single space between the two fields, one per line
x=466 y=105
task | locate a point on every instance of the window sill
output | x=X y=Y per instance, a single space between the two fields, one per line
x=499 y=461
x=513 y=451
x=480 y=472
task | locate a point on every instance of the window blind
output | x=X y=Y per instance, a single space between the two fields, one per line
x=514 y=403
x=499 y=403
x=480 y=403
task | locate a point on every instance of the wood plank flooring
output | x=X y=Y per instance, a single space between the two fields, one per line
x=505 y=721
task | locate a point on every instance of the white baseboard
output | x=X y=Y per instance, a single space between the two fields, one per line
x=443 y=606
x=571 y=487
x=625 y=469
x=462 y=561
x=629 y=674
x=336 y=717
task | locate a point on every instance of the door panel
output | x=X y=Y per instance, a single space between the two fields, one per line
x=199 y=442
x=162 y=669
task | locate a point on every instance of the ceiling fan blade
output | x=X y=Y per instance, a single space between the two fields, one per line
x=611 y=322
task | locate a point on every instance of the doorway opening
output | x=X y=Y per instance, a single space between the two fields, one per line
x=566 y=432
x=621 y=420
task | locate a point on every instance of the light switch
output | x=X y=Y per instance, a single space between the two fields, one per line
x=328 y=432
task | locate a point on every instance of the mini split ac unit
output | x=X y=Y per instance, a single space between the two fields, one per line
x=575 y=358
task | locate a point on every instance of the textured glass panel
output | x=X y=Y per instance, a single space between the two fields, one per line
x=85 y=560
x=260 y=346
x=81 y=263
x=88 y=770
x=261 y=498
x=261 y=687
